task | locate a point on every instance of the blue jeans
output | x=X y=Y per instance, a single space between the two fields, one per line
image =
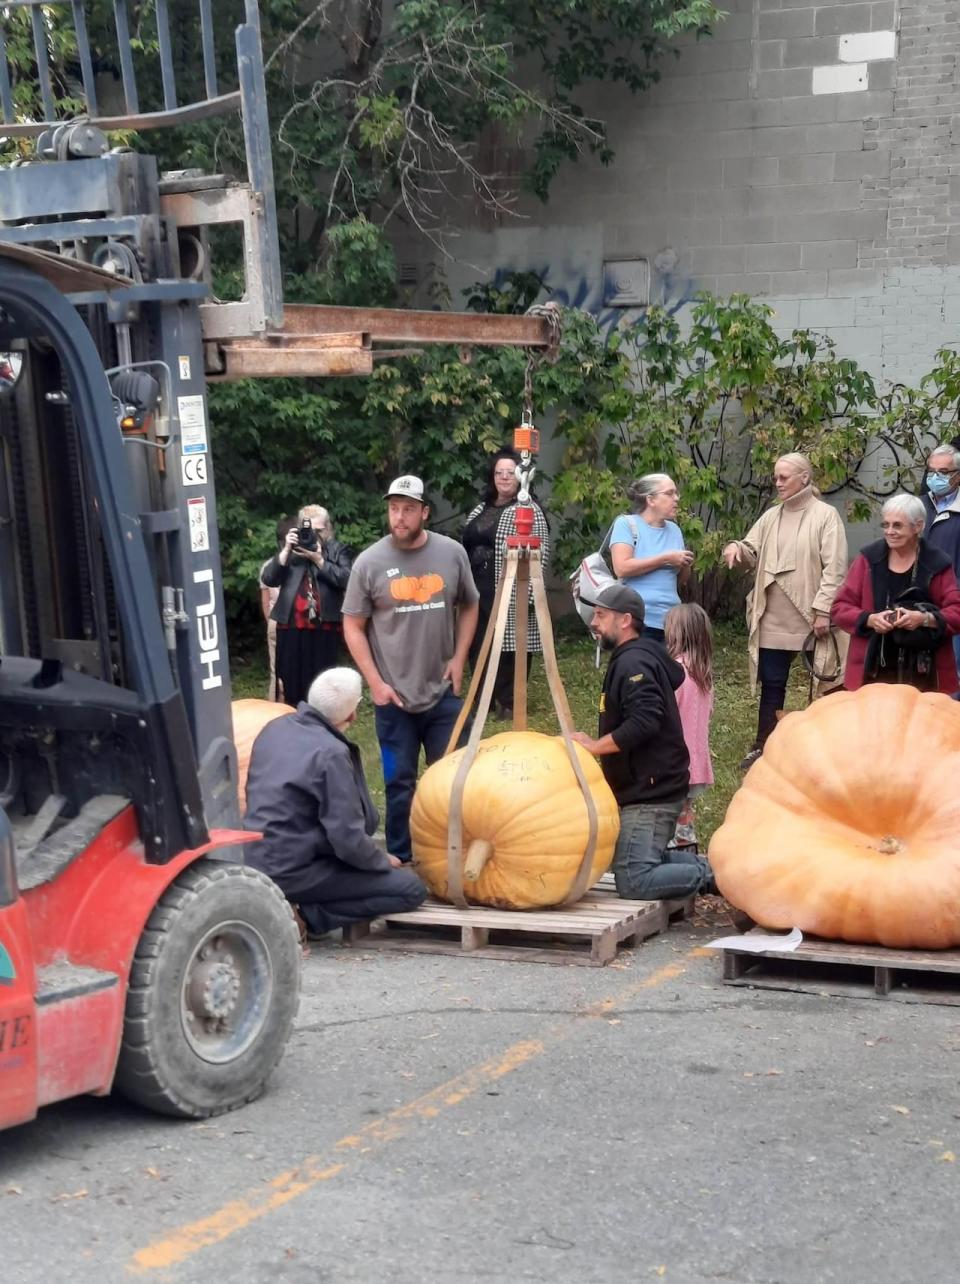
x=401 y=735
x=643 y=868
x=345 y=895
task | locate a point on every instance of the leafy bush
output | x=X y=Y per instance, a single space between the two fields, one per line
x=713 y=403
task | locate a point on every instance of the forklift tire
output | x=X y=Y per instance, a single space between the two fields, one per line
x=214 y=988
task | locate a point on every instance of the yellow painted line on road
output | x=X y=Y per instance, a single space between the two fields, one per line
x=237 y=1215
x=240 y=1213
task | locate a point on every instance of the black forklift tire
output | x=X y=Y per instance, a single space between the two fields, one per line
x=214 y=989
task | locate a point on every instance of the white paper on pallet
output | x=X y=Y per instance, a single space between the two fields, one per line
x=757 y=942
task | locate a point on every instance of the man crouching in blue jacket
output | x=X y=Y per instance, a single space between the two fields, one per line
x=643 y=755
x=307 y=795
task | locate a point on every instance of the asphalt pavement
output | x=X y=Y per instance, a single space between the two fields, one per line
x=443 y=1118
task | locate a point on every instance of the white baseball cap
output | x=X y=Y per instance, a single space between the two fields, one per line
x=406 y=487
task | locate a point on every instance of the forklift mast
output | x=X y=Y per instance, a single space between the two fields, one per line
x=91 y=203
x=134 y=246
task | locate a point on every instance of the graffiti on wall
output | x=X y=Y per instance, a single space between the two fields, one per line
x=576 y=287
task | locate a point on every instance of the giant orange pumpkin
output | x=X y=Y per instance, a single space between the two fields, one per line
x=249 y=719
x=849 y=825
x=525 y=822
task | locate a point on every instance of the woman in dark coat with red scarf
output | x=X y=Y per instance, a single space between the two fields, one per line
x=901 y=604
x=308 y=610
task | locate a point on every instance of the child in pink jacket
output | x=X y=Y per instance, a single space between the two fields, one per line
x=689 y=639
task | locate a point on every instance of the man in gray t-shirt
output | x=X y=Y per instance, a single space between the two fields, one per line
x=409 y=615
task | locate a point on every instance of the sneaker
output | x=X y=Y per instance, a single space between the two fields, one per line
x=314 y=928
x=301 y=925
x=750 y=757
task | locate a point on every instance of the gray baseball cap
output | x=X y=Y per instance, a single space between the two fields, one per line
x=617 y=597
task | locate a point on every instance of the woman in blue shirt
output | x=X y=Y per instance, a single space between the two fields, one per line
x=647 y=550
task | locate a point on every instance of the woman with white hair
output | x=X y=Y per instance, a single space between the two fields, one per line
x=311 y=572
x=307 y=795
x=798 y=551
x=647 y=550
x=901 y=605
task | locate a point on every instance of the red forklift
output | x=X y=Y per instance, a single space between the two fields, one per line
x=137 y=951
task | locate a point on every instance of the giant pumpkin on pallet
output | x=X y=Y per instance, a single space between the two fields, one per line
x=848 y=827
x=249 y=719
x=525 y=824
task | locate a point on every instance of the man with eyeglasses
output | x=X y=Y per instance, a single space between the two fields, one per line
x=942 y=504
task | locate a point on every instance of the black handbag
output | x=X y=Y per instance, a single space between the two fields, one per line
x=923 y=639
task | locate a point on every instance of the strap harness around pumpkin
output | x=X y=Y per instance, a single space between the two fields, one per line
x=523 y=572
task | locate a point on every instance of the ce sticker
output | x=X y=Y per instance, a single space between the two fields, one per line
x=193 y=470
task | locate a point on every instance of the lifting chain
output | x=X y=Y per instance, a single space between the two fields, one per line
x=551 y=313
x=526 y=439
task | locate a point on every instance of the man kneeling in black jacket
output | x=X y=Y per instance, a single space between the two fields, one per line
x=643 y=755
x=307 y=795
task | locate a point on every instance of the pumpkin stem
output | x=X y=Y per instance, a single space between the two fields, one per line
x=889 y=845
x=478 y=853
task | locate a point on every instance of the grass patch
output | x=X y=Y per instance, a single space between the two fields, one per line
x=732 y=730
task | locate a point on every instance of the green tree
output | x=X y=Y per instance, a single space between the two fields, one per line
x=395 y=125
x=714 y=404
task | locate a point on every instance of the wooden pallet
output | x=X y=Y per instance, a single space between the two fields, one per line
x=838 y=968
x=589 y=933
x=606 y=889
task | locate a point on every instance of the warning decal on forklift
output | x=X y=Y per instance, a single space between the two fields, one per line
x=8 y=973
x=193 y=425
x=193 y=470
x=199 y=534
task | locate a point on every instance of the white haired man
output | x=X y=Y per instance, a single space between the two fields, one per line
x=942 y=508
x=308 y=796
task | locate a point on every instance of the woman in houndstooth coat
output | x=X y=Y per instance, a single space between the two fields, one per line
x=485 y=540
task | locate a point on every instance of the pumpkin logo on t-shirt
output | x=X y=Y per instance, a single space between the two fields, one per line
x=416 y=588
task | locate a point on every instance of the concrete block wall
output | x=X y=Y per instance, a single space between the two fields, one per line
x=807 y=153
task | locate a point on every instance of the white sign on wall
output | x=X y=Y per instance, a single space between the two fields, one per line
x=626 y=283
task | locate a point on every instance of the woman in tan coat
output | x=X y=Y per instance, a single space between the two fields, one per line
x=798 y=550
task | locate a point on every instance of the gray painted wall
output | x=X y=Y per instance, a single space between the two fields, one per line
x=806 y=154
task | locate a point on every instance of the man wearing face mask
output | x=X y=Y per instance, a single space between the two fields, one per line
x=942 y=503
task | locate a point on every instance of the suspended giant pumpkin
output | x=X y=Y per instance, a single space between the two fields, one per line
x=249 y=719
x=525 y=822
x=849 y=825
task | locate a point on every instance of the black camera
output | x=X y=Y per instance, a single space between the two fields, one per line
x=307 y=537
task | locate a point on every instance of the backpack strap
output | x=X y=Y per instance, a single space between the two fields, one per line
x=605 y=546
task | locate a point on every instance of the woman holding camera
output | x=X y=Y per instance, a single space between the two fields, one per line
x=311 y=571
x=901 y=604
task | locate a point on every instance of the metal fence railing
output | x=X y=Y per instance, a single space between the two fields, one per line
x=160 y=102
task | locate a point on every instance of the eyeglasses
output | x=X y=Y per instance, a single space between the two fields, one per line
x=941 y=472
x=673 y=494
